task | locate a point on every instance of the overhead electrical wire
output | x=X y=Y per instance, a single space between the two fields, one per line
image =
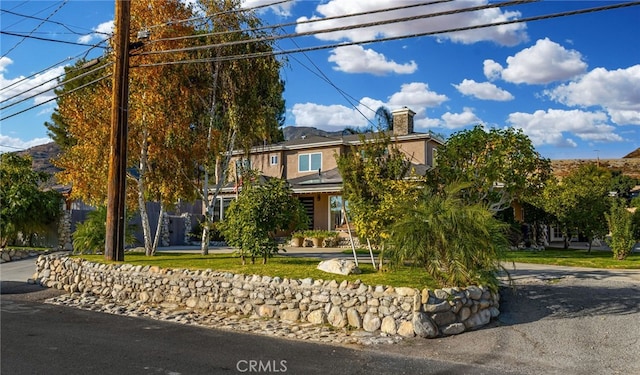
x=209 y=16
x=415 y=35
x=76 y=57
x=344 y=28
x=52 y=87
x=312 y=20
x=57 y=97
x=68 y=27
x=29 y=36
x=35 y=29
x=335 y=45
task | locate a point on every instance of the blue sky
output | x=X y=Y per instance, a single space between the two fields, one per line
x=572 y=84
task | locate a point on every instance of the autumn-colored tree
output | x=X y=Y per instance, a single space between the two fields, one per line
x=161 y=141
x=244 y=96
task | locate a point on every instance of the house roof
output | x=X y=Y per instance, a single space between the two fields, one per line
x=314 y=141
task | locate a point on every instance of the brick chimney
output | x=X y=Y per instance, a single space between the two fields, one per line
x=403 y=121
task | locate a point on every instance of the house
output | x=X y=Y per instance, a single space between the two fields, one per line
x=310 y=166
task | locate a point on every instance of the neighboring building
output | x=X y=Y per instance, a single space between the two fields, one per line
x=310 y=166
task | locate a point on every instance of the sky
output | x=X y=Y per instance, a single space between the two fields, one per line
x=572 y=83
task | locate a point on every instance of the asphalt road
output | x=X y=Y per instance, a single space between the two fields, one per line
x=45 y=339
x=559 y=320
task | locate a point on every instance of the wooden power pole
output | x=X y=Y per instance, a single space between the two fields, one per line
x=116 y=198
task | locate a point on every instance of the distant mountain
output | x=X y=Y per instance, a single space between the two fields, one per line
x=633 y=154
x=297 y=132
x=41 y=156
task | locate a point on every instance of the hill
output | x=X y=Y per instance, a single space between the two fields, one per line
x=633 y=154
x=297 y=132
x=41 y=156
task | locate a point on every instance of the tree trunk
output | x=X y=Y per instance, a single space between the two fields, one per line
x=156 y=240
x=142 y=206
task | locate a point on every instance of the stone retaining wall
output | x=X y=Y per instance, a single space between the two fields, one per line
x=402 y=311
x=8 y=255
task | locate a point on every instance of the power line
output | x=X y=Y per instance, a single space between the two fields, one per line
x=50 y=88
x=57 y=97
x=416 y=35
x=231 y=11
x=36 y=28
x=29 y=36
x=68 y=27
x=344 y=28
x=312 y=20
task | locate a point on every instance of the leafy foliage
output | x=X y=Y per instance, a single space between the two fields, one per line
x=89 y=236
x=261 y=210
x=620 y=222
x=499 y=165
x=579 y=201
x=457 y=243
x=373 y=183
x=24 y=207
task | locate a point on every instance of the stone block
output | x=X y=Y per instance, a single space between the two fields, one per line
x=388 y=325
x=424 y=326
x=339 y=266
x=353 y=318
x=371 y=322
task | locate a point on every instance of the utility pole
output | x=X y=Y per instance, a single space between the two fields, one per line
x=116 y=198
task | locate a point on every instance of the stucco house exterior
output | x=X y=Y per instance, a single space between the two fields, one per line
x=310 y=167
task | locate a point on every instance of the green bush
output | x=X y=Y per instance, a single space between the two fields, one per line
x=89 y=236
x=458 y=244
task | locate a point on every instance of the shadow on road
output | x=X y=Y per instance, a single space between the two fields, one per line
x=19 y=287
x=528 y=303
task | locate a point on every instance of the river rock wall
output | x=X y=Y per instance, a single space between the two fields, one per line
x=393 y=310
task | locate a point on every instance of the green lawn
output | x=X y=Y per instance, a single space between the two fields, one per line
x=282 y=266
x=575 y=258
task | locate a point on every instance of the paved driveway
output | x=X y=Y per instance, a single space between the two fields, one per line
x=558 y=320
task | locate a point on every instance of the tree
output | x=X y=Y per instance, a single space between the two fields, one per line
x=243 y=97
x=499 y=165
x=82 y=73
x=622 y=184
x=261 y=210
x=25 y=208
x=620 y=222
x=373 y=175
x=579 y=202
x=457 y=243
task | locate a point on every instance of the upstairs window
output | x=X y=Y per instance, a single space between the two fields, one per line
x=309 y=162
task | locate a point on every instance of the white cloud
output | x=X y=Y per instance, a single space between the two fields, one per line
x=542 y=63
x=550 y=127
x=492 y=70
x=459 y=120
x=483 y=90
x=323 y=116
x=101 y=32
x=504 y=35
x=415 y=95
x=356 y=59
x=21 y=87
x=10 y=144
x=617 y=91
x=283 y=9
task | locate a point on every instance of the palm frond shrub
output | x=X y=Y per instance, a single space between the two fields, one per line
x=89 y=236
x=458 y=244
